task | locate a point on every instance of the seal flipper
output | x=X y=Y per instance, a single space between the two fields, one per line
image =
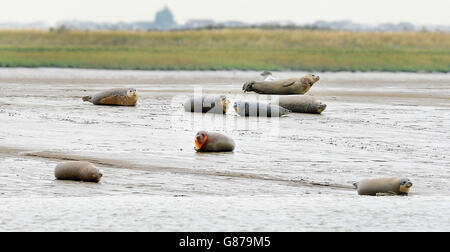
x=386 y=194
x=288 y=84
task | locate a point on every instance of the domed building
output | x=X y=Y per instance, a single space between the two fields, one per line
x=164 y=19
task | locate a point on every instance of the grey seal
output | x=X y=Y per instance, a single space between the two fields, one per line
x=207 y=104
x=384 y=186
x=78 y=171
x=258 y=109
x=300 y=104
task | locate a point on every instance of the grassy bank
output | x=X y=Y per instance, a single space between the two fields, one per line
x=228 y=49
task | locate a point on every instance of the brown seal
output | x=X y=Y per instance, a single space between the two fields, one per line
x=213 y=142
x=114 y=97
x=300 y=104
x=282 y=87
x=78 y=171
x=384 y=186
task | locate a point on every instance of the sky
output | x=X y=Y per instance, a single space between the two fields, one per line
x=426 y=12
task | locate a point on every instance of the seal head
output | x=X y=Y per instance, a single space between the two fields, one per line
x=132 y=93
x=97 y=176
x=317 y=108
x=200 y=140
x=310 y=79
x=405 y=186
x=225 y=102
x=87 y=98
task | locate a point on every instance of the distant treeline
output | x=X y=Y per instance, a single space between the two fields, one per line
x=226 y=49
x=211 y=25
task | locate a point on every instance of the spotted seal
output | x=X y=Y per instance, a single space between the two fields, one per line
x=114 y=97
x=282 y=87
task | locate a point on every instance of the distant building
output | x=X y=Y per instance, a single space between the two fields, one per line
x=345 y=25
x=404 y=26
x=24 y=26
x=164 y=19
x=199 y=23
x=233 y=24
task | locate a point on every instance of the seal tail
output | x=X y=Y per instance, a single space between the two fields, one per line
x=355 y=185
x=87 y=98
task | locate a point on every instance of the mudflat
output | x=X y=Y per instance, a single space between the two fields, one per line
x=293 y=173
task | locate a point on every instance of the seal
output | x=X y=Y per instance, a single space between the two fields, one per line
x=258 y=109
x=300 y=104
x=78 y=171
x=282 y=87
x=207 y=104
x=213 y=142
x=384 y=186
x=267 y=76
x=114 y=97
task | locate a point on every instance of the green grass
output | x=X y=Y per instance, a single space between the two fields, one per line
x=228 y=49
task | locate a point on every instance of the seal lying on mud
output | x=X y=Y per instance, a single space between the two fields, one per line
x=282 y=87
x=213 y=142
x=205 y=104
x=78 y=171
x=384 y=186
x=300 y=104
x=258 y=109
x=117 y=97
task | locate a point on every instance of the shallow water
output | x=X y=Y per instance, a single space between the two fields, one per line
x=375 y=125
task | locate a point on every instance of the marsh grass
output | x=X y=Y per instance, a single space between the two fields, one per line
x=244 y=49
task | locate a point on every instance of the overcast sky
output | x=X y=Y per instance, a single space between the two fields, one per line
x=298 y=11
